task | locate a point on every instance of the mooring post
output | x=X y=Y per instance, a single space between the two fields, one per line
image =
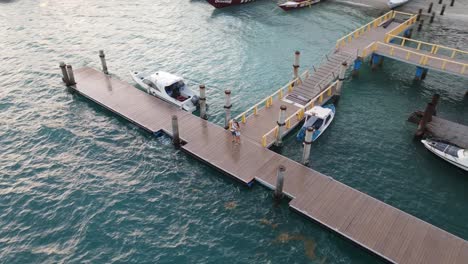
x=357 y=65
x=279 y=182
x=202 y=102
x=175 y=131
x=227 y=108
x=452 y=2
x=432 y=18
x=307 y=142
x=440 y=2
x=71 y=76
x=420 y=25
x=443 y=10
x=435 y=101
x=429 y=10
x=63 y=67
x=376 y=60
x=103 y=61
x=419 y=14
x=427 y=117
x=296 y=66
x=341 y=77
x=281 y=123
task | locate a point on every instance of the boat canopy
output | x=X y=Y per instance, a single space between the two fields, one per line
x=318 y=111
x=446 y=148
x=165 y=79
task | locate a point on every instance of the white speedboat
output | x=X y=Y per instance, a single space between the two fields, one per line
x=396 y=3
x=453 y=154
x=319 y=117
x=168 y=87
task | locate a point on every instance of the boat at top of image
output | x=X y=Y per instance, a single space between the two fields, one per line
x=319 y=117
x=168 y=87
x=225 y=3
x=396 y=3
x=451 y=153
x=296 y=4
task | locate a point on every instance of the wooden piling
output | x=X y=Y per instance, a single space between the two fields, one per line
x=440 y=2
x=429 y=10
x=427 y=117
x=419 y=14
x=420 y=25
x=65 y=78
x=281 y=123
x=296 y=66
x=227 y=108
x=279 y=182
x=432 y=18
x=203 y=102
x=71 y=76
x=175 y=131
x=307 y=143
x=443 y=10
x=103 y=62
x=452 y=2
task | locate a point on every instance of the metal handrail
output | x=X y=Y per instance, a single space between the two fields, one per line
x=434 y=47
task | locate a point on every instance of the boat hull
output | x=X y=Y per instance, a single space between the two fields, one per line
x=226 y=3
x=298 y=5
x=461 y=163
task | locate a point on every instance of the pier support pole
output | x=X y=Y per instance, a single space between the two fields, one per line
x=71 y=76
x=429 y=10
x=341 y=77
x=357 y=65
x=408 y=33
x=227 y=108
x=432 y=18
x=281 y=123
x=452 y=2
x=175 y=131
x=421 y=73
x=296 y=66
x=63 y=67
x=307 y=143
x=376 y=60
x=103 y=61
x=279 y=182
x=202 y=102
x=419 y=14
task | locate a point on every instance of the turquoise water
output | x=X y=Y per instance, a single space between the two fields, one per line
x=78 y=184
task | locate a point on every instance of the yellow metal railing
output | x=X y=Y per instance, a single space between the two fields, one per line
x=402 y=27
x=299 y=114
x=423 y=58
x=425 y=46
x=268 y=101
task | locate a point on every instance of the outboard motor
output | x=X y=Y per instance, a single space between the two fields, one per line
x=195 y=100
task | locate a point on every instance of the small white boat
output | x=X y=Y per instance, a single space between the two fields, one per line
x=453 y=154
x=396 y=3
x=319 y=117
x=168 y=87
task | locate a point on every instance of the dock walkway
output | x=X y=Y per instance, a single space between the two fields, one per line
x=382 y=229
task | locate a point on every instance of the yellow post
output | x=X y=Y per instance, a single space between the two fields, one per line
x=280 y=95
x=329 y=92
x=408 y=54
x=364 y=53
x=444 y=64
x=436 y=49
x=392 y=51
x=290 y=87
x=264 y=141
x=288 y=123
x=463 y=69
x=255 y=110
x=368 y=27
x=311 y=104
x=243 y=118
x=419 y=46
x=403 y=42
x=453 y=54
x=349 y=38
x=321 y=98
x=433 y=49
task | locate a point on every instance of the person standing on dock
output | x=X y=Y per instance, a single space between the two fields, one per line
x=235 y=131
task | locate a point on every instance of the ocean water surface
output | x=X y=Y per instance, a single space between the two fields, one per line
x=78 y=184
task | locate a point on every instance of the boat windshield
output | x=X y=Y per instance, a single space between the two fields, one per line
x=446 y=148
x=150 y=84
x=318 y=124
x=174 y=89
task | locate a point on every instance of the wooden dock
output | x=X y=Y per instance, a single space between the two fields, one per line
x=384 y=230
